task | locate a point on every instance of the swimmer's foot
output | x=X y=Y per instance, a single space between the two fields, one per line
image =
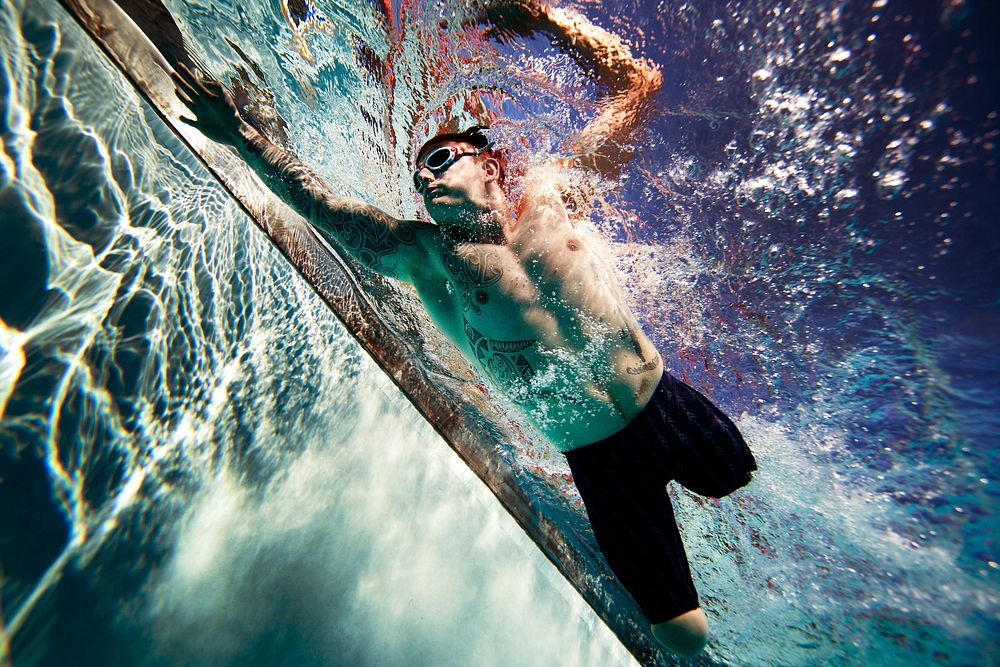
x=685 y=635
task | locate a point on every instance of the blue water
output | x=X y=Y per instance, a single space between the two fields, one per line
x=197 y=466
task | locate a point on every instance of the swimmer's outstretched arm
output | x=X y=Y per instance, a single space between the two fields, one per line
x=381 y=242
x=631 y=84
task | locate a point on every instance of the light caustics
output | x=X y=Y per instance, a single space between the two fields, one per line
x=166 y=380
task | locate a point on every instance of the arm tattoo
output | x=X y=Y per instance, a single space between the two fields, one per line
x=481 y=269
x=367 y=233
x=368 y=242
x=501 y=358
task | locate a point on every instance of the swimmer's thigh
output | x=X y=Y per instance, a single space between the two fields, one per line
x=634 y=525
x=708 y=455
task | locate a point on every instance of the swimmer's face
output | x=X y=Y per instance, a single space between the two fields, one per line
x=459 y=189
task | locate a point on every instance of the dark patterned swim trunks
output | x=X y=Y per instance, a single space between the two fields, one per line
x=680 y=435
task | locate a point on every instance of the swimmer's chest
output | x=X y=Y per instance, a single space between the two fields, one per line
x=535 y=286
x=485 y=291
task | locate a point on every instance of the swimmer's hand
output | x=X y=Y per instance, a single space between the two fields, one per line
x=630 y=85
x=216 y=115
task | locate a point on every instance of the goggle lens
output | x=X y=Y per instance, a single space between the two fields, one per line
x=439 y=158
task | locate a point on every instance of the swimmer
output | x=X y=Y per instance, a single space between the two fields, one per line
x=536 y=307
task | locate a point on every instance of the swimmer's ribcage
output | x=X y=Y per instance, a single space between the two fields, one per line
x=502 y=359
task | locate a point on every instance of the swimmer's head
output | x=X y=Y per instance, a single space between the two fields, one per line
x=476 y=136
x=460 y=175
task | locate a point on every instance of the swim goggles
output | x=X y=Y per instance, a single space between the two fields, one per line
x=439 y=159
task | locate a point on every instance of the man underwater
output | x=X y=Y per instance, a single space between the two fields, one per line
x=537 y=308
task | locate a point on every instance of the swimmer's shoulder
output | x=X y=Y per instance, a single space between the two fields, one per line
x=423 y=234
x=407 y=247
x=557 y=183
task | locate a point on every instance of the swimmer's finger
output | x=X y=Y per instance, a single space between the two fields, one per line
x=186 y=72
x=183 y=86
x=183 y=96
x=192 y=82
x=500 y=34
x=188 y=121
x=205 y=83
x=182 y=75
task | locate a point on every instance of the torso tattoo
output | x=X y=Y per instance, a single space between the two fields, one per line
x=501 y=358
x=472 y=273
x=629 y=335
x=644 y=367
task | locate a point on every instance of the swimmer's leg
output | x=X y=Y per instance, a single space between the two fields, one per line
x=707 y=454
x=684 y=635
x=632 y=519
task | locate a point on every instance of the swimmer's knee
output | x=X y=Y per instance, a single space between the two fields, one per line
x=685 y=635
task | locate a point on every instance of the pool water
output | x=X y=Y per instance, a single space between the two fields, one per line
x=199 y=466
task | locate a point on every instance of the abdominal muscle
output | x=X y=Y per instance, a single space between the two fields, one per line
x=573 y=405
x=575 y=389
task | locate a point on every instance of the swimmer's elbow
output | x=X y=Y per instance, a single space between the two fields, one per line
x=647 y=79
